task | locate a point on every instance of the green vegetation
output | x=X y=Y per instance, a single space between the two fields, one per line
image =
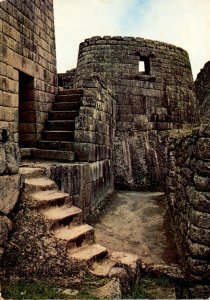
x=147 y=288
x=85 y=294
x=138 y=293
x=24 y=290
x=36 y=291
x=153 y=288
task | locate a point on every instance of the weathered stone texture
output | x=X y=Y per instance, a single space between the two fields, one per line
x=5 y=227
x=96 y=123
x=202 y=89
x=140 y=160
x=9 y=183
x=9 y=192
x=66 y=80
x=27 y=62
x=87 y=183
x=159 y=99
x=188 y=198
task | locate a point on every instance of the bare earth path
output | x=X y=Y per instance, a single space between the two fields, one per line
x=138 y=223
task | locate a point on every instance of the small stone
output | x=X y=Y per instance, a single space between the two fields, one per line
x=70 y=292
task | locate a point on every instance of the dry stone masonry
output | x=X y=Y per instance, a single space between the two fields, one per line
x=149 y=102
x=188 y=187
x=27 y=67
x=126 y=116
x=9 y=184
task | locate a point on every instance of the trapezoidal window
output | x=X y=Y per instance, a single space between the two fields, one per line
x=27 y=120
x=144 y=65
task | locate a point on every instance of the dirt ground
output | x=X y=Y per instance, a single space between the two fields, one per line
x=138 y=223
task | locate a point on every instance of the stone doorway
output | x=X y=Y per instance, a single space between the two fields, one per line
x=27 y=112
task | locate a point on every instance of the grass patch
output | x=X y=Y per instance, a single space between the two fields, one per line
x=23 y=290
x=137 y=293
x=152 y=288
x=37 y=290
x=158 y=281
x=85 y=294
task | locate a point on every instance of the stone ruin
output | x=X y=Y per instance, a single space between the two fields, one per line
x=134 y=120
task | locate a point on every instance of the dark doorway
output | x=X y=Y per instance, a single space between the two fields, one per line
x=27 y=115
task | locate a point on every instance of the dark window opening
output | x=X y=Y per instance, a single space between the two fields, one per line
x=144 y=65
x=27 y=120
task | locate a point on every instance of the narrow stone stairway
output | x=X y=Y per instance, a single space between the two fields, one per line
x=63 y=218
x=57 y=140
x=51 y=241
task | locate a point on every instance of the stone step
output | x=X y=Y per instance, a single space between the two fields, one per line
x=29 y=172
x=88 y=252
x=48 y=198
x=61 y=215
x=72 y=232
x=102 y=268
x=26 y=152
x=56 y=145
x=55 y=135
x=63 y=115
x=40 y=184
x=64 y=106
x=55 y=154
x=71 y=92
x=60 y=125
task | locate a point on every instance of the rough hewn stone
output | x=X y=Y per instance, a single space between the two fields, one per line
x=198 y=200
x=200 y=219
x=203 y=148
x=9 y=192
x=111 y=290
x=202 y=168
x=202 y=183
x=12 y=157
x=198 y=250
x=189 y=199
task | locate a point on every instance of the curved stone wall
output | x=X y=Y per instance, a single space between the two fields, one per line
x=150 y=101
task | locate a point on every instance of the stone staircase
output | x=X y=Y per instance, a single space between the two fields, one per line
x=63 y=218
x=68 y=240
x=57 y=141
